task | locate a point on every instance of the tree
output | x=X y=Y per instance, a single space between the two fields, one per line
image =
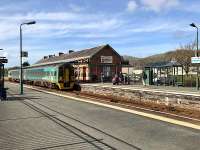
x=26 y=63
x=183 y=56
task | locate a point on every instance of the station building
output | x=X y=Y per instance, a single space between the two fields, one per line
x=90 y=64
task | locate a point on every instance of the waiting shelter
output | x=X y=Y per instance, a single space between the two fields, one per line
x=164 y=73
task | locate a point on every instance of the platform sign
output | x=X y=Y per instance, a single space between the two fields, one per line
x=24 y=54
x=3 y=60
x=195 y=60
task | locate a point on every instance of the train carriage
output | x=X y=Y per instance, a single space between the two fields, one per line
x=59 y=76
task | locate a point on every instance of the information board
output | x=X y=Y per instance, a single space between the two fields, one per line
x=106 y=59
x=195 y=60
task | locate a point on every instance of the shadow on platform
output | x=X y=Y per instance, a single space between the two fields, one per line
x=18 y=98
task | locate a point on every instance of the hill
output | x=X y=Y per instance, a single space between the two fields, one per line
x=181 y=55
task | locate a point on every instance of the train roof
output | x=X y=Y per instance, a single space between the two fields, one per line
x=37 y=66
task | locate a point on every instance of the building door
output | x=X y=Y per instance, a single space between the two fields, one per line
x=106 y=72
x=84 y=73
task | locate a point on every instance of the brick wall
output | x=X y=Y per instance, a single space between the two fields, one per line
x=96 y=67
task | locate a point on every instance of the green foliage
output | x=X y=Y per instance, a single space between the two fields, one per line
x=190 y=81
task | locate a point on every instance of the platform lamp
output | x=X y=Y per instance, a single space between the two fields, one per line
x=21 y=67
x=196 y=54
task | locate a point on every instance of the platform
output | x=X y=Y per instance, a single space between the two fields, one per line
x=22 y=127
x=40 y=120
x=175 y=89
x=169 y=95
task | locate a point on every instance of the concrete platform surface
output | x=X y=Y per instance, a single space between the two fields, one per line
x=23 y=128
x=79 y=125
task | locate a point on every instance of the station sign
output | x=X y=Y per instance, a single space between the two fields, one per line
x=195 y=60
x=106 y=59
x=24 y=54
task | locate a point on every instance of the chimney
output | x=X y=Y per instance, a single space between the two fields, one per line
x=60 y=53
x=45 y=57
x=71 y=51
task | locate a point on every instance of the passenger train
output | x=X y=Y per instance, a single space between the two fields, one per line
x=59 y=76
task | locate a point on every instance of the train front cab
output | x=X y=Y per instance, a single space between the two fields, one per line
x=66 y=76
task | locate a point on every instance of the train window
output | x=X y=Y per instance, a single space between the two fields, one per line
x=55 y=73
x=60 y=71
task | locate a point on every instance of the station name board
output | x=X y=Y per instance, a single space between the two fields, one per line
x=3 y=60
x=195 y=60
x=106 y=59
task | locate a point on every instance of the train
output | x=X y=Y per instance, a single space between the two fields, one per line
x=58 y=76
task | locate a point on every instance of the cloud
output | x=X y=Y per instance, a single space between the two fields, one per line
x=158 y=5
x=132 y=6
x=163 y=27
x=58 y=24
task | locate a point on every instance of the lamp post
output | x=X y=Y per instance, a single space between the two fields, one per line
x=1 y=74
x=21 y=67
x=196 y=54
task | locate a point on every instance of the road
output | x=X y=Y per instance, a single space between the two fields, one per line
x=93 y=126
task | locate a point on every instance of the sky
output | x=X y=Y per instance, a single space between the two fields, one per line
x=138 y=28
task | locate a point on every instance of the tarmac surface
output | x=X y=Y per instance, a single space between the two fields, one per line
x=43 y=121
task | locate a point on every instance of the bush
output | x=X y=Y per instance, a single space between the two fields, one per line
x=190 y=81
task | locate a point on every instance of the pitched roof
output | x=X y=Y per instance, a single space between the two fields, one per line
x=161 y=64
x=86 y=53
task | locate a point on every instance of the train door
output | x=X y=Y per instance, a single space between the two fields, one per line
x=84 y=73
x=66 y=74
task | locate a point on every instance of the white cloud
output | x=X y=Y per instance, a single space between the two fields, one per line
x=153 y=27
x=57 y=24
x=132 y=6
x=158 y=5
